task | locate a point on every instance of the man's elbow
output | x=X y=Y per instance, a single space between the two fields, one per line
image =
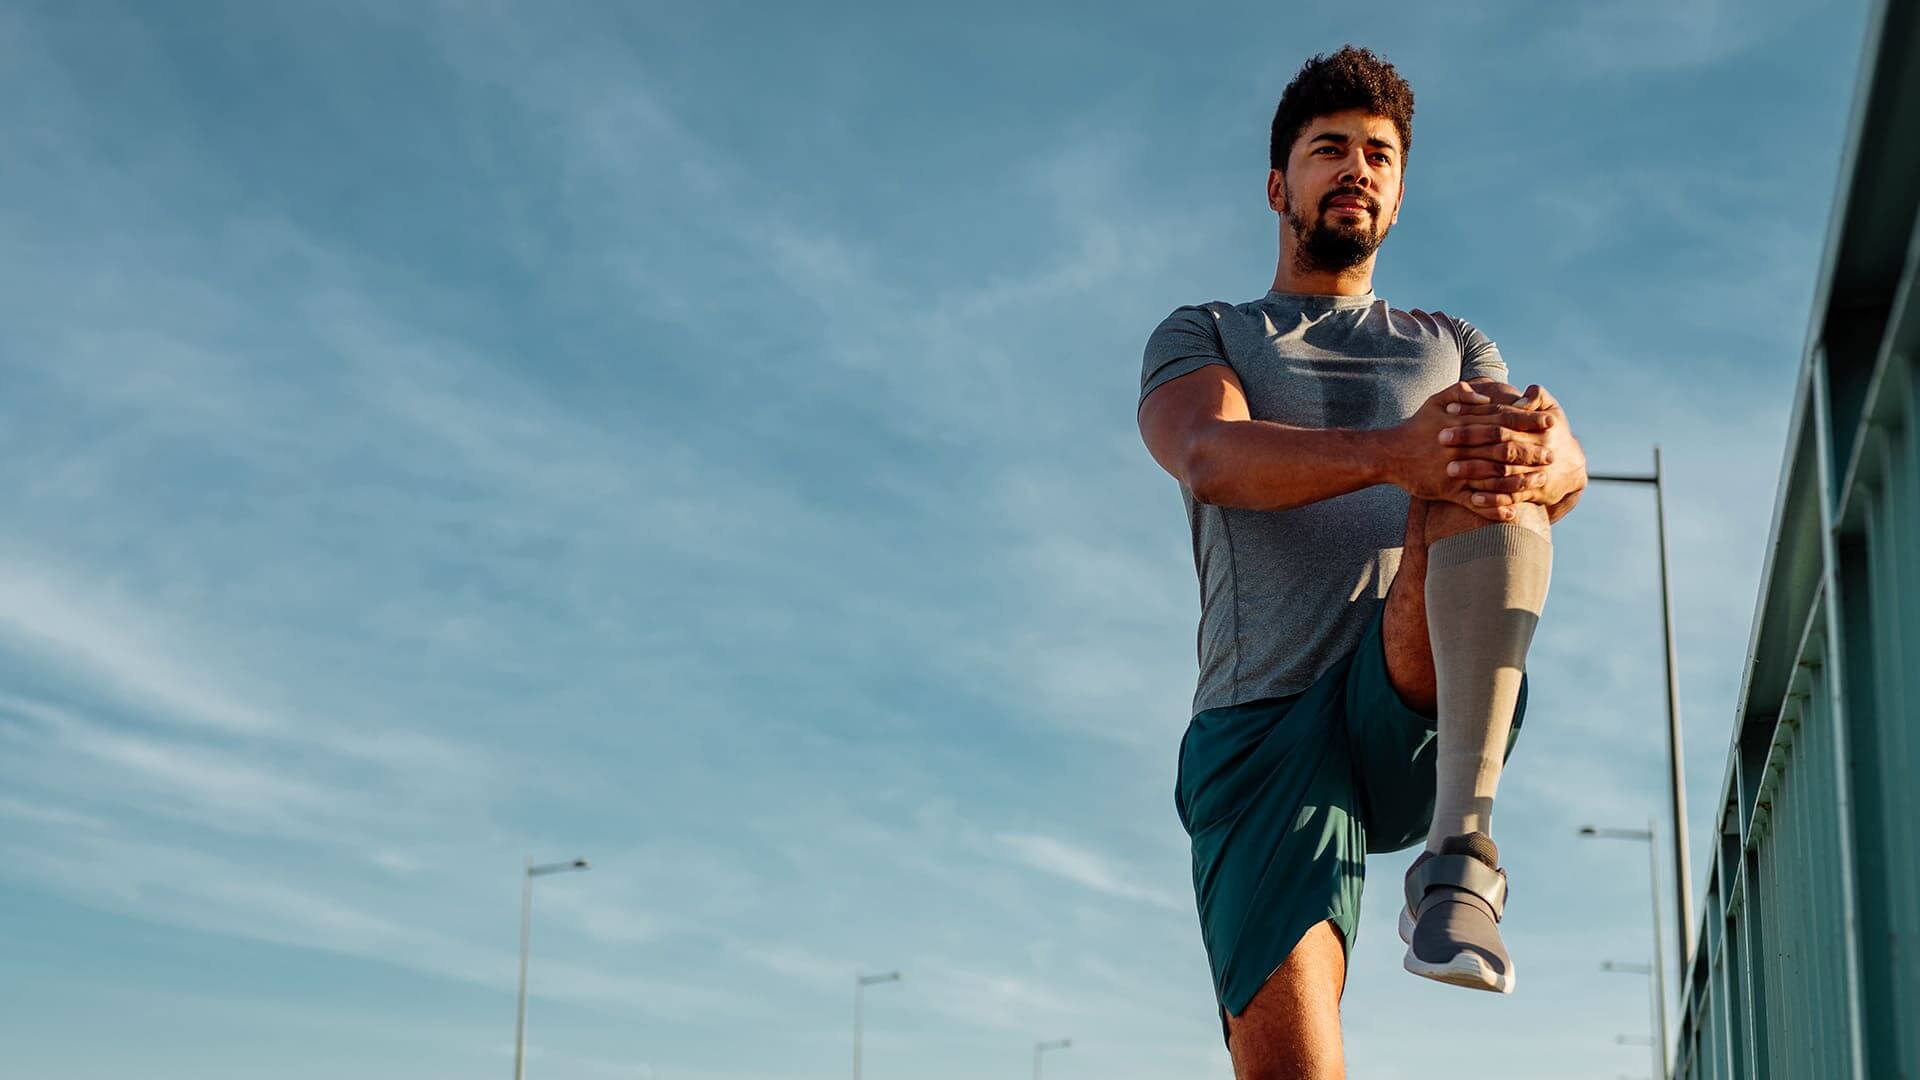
x=1206 y=475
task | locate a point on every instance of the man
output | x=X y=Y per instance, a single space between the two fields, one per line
x=1370 y=506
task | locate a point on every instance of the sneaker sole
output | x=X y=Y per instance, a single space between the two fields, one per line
x=1464 y=970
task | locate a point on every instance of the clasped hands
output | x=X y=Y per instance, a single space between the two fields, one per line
x=1487 y=447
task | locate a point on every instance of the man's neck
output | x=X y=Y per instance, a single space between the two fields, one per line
x=1291 y=277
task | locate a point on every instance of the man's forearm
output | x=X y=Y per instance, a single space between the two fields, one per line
x=1261 y=465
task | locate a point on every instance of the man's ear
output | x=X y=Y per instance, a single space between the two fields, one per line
x=1399 y=202
x=1277 y=190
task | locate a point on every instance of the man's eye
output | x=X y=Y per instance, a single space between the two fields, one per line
x=1381 y=158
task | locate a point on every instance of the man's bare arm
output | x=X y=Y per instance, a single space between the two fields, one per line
x=1199 y=429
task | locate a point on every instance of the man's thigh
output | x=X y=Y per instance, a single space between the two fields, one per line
x=1403 y=633
x=1292 y=1026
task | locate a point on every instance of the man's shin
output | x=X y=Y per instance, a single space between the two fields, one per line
x=1485 y=589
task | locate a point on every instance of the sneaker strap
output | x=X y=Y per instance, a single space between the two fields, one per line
x=1457 y=872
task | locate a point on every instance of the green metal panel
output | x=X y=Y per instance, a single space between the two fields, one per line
x=1808 y=959
x=1752 y=947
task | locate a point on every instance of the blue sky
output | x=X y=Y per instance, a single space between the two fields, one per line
x=701 y=439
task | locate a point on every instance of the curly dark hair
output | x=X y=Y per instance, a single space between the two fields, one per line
x=1352 y=78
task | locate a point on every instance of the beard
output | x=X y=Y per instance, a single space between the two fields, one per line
x=1323 y=245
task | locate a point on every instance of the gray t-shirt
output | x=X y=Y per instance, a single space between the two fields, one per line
x=1285 y=593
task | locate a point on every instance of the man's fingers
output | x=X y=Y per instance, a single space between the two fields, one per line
x=1485 y=434
x=1510 y=485
x=1510 y=416
x=1515 y=452
x=1523 y=453
x=1537 y=398
x=1502 y=491
x=1481 y=468
x=1489 y=510
x=1474 y=434
x=1461 y=393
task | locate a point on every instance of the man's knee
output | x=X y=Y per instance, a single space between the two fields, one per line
x=1444 y=519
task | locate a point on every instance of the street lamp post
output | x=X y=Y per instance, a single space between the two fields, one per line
x=1042 y=1047
x=1659 y=960
x=1659 y=1020
x=1624 y=968
x=860 y=984
x=526 y=927
x=1682 y=876
x=1631 y=1040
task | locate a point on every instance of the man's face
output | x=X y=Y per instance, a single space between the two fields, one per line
x=1342 y=188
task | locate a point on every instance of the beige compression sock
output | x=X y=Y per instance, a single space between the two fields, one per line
x=1485 y=589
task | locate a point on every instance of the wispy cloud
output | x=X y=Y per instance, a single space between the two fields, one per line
x=1084 y=867
x=48 y=614
x=1641 y=35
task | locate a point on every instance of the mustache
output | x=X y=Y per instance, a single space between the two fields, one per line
x=1326 y=203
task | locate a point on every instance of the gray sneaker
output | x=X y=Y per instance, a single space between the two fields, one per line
x=1451 y=919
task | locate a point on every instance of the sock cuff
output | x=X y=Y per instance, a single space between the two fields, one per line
x=1497 y=540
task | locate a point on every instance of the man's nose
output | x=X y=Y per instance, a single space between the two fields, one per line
x=1355 y=172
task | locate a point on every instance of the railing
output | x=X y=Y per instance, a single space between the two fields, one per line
x=1808 y=957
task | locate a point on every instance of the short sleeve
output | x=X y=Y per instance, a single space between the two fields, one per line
x=1479 y=357
x=1184 y=342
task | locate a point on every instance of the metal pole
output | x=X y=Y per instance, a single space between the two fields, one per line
x=520 y=1014
x=1676 y=780
x=860 y=984
x=1653 y=1043
x=1657 y=989
x=859 y=988
x=1683 y=877
x=1039 y=1047
x=526 y=925
x=1659 y=959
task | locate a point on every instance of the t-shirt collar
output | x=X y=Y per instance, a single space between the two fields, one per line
x=1321 y=302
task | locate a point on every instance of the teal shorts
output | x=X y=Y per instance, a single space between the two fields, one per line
x=1284 y=798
